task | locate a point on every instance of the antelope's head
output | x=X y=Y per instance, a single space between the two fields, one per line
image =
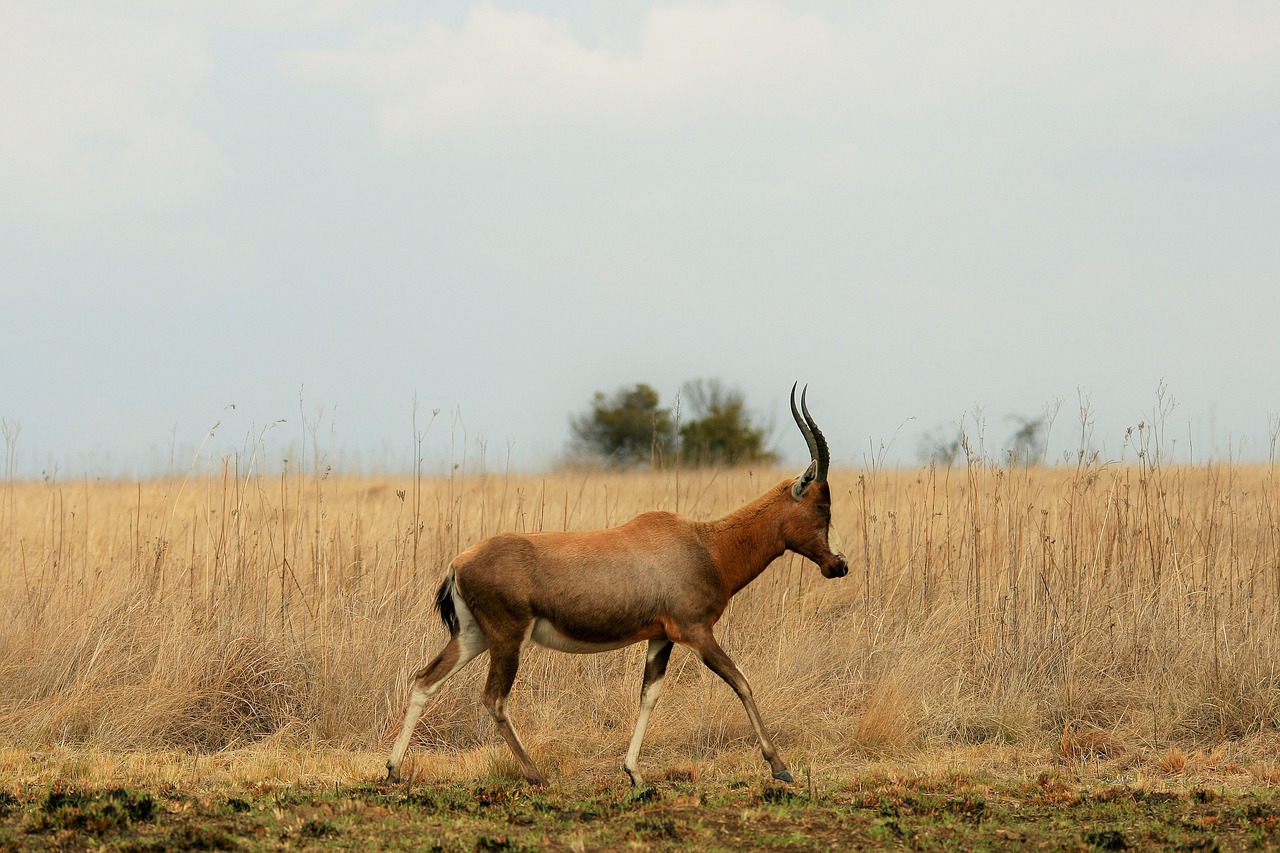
x=807 y=527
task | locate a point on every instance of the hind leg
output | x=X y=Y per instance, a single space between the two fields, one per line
x=461 y=649
x=504 y=660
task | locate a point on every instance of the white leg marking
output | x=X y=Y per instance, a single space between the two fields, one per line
x=471 y=642
x=648 y=699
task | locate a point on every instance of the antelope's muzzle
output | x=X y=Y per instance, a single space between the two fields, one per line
x=837 y=569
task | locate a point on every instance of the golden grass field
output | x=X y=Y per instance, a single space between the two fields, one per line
x=1124 y=618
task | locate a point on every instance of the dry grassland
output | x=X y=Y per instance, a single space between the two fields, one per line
x=1124 y=616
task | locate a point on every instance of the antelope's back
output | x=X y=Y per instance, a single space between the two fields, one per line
x=626 y=577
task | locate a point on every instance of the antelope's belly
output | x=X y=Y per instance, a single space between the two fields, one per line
x=545 y=634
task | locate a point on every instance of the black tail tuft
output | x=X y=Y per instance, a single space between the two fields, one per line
x=444 y=604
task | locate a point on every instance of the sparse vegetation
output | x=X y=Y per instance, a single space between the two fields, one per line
x=1101 y=621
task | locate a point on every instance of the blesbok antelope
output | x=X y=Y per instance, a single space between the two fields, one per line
x=660 y=577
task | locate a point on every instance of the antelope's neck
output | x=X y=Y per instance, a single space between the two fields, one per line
x=747 y=540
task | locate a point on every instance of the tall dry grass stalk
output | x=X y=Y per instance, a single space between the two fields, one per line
x=1090 y=610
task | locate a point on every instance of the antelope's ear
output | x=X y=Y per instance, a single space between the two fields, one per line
x=804 y=481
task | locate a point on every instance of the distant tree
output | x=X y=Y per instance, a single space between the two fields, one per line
x=625 y=429
x=1029 y=442
x=720 y=431
x=940 y=446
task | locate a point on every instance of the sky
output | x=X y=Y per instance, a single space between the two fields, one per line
x=342 y=217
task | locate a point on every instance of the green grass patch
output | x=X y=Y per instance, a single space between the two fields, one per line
x=927 y=813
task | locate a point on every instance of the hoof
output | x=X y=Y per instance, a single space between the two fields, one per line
x=536 y=781
x=393 y=776
x=783 y=776
x=645 y=794
x=637 y=781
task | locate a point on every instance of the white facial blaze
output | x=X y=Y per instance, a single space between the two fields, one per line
x=834 y=540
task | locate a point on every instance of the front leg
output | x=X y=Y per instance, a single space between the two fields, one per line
x=704 y=643
x=655 y=669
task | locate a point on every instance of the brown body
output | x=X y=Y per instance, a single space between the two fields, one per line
x=660 y=578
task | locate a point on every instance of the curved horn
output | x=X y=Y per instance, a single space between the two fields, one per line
x=821 y=454
x=804 y=423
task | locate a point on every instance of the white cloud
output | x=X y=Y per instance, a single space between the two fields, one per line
x=94 y=106
x=501 y=68
x=99 y=102
x=288 y=15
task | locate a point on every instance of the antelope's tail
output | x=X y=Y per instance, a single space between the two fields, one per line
x=444 y=603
